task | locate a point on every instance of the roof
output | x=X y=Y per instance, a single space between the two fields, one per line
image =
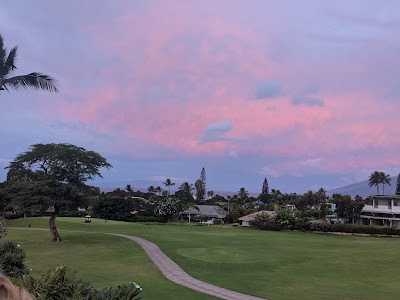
x=252 y=216
x=211 y=211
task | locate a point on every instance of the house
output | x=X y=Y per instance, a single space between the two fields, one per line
x=245 y=220
x=210 y=211
x=382 y=211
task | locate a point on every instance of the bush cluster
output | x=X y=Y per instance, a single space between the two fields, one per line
x=320 y=226
x=12 y=260
x=218 y=222
x=61 y=283
x=266 y=224
x=364 y=229
x=140 y=218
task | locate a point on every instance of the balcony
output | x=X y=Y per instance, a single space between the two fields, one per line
x=382 y=209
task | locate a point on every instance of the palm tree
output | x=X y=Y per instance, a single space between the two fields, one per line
x=151 y=189
x=210 y=194
x=188 y=206
x=186 y=187
x=385 y=179
x=168 y=183
x=129 y=189
x=199 y=190
x=34 y=80
x=158 y=190
x=375 y=179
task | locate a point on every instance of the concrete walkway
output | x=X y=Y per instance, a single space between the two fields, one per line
x=174 y=273
x=171 y=270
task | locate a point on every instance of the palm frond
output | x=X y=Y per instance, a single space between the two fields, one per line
x=35 y=80
x=9 y=63
x=3 y=52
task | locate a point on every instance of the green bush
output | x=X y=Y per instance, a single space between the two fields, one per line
x=218 y=222
x=12 y=215
x=139 y=218
x=12 y=260
x=61 y=283
x=365 y=229
x=319 y=225
x=3 y=228
x=268 y=224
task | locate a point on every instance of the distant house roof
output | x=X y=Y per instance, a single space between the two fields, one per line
x=51 y=210
x=211 y=211
x=252 y=216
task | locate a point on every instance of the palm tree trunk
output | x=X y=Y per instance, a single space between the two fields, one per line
x=189 y=217
x=383 y=189
x=53 y=229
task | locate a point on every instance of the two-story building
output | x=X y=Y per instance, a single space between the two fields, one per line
x=382 y=210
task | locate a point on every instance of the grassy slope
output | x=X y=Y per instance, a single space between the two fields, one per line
x=278 y=265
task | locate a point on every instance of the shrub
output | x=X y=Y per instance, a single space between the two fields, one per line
x=218 y=222
x=61 y=283
x=319 y=225
x=200 y=218
x=364 y=229
x=3 y=228
x=139 y=218
x=12 y=260
x=266 y=224
x=12 y=215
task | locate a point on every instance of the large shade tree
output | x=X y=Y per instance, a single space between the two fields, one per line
x=52 y=177
x=33 y=80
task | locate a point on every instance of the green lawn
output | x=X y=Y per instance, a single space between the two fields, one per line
x=277 y=265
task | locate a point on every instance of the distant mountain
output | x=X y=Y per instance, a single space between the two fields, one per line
x=362 y=189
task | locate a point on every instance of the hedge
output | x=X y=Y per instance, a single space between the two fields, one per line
x=364 y=229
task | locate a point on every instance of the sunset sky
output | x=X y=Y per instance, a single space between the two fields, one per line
x=305 y=93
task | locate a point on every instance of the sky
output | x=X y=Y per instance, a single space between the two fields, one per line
x=304 y=93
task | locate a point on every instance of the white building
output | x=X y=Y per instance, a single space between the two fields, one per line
x=382 y=210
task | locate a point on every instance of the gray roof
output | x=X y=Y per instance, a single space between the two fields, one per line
x=211 y=211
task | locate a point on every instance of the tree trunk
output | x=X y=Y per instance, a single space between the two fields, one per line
x=53 y=229
x=189 y=217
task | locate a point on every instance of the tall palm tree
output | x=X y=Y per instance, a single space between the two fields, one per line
x=186 y=187
x=168 y=183
x=210 y=194
x=35 y=80
x=375 y=179
x=385 y=179
x=151 y=189
x=129 y=189
x=158 y=190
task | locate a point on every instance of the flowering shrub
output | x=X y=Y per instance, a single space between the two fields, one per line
x=12 y=260
x=266 y=224
x=168 y=208
x=319 y=225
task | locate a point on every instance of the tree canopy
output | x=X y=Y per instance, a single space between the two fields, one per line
x=51 y=177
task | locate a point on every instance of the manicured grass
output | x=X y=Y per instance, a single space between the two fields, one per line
x=277 y=265
x=103 y=260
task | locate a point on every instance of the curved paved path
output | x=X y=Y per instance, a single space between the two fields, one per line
x=172 y=271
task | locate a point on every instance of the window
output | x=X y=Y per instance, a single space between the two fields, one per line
x=394 y=202
x=376 y=203
x=390 y=204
